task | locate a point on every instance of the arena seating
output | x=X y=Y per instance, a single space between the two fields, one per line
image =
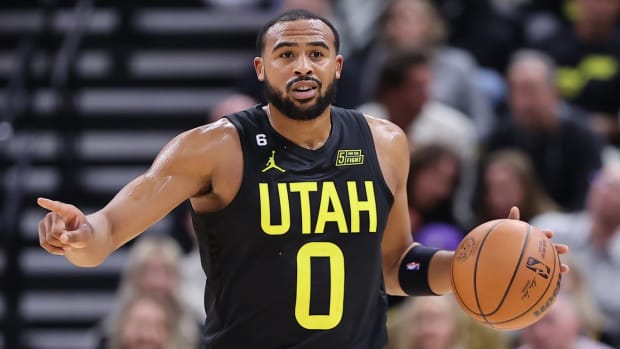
x=141 y=72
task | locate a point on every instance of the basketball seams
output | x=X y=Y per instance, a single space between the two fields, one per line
x=456 y=294
x=486 y=315
x=514 y=273
x=484 y=318
x=477 y=252
x=556 y=262
x=484 y=239
x=468 y=280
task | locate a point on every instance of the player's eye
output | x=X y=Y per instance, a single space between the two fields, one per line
x=286 y=54
x=317 y=54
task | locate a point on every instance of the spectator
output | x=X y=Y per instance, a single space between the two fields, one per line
x=231 y=104
x=193 y=278
x=234 y=5
x=565 y=153
x=404 y=98
x=147 y=322
x=479 y=27
x=438 y=323
x=360 y=20
x=560 y=328
x=434 y=173
x=594 y=238
x=416 y=25
x=153 y=269
x=508 y=179
x=575 y=285
x=588 y=57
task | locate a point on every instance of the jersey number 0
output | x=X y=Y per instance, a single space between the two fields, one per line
x=304 y=282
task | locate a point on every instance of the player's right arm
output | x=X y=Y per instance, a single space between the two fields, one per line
x=183 y=169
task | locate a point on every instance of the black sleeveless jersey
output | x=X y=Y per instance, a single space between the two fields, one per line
x=294 y=261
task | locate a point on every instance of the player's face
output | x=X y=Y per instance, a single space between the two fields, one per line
x=300 y=67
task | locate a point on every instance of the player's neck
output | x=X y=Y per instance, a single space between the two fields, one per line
x=309 y=134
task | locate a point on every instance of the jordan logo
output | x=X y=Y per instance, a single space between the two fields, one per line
x=271 y=163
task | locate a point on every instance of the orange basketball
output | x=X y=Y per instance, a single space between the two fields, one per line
x=506 y=274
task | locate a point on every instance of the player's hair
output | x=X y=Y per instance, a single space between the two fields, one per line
x=289 y=16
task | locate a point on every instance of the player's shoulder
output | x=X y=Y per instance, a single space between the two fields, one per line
x=392 y=149
x=384 y=130
x=205 y=140
x=215 y=131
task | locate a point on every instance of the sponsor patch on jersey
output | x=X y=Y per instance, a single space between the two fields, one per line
x=346 y=157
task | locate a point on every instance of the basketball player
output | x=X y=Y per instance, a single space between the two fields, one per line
x=300 y=208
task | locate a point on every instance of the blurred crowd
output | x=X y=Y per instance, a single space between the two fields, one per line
x=505 y=102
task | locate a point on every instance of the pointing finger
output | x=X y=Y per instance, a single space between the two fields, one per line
x=66 y=212
x=48 y=204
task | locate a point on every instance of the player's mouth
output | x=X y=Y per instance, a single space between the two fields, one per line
x=304 y=90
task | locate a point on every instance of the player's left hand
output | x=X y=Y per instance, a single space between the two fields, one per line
x=561 y=248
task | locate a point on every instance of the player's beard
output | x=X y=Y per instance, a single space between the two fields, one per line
x=307 y=110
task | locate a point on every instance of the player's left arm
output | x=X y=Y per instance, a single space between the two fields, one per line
x=393 y=153
x=430 y=276
x=429 y=268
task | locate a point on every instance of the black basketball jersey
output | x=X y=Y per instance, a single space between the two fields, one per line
x=294 y=261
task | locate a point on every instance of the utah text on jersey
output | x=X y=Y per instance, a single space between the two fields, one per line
x=360 y=198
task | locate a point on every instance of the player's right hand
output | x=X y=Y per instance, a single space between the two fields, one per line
x=63 y=228
x=561 y=248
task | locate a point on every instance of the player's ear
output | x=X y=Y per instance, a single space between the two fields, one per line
x=260 y=68
x=339 y=62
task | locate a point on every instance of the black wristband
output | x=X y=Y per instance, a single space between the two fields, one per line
x=413 y=271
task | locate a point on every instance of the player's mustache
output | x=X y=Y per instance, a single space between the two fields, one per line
x=303 y=78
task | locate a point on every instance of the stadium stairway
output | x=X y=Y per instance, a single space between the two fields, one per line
x=136 y=75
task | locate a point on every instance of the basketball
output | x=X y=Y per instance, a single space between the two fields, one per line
x=506 y=274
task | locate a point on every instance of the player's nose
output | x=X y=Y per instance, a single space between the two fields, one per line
x=303 y=66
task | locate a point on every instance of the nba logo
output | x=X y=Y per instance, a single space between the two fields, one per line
x=413 y=266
